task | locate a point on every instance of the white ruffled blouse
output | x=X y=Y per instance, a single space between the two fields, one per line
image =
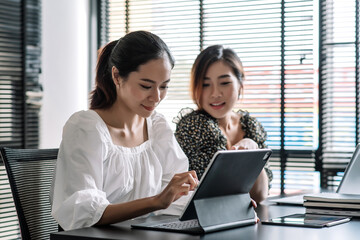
x=92 y=172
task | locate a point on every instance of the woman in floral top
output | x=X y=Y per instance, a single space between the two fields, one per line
x=216 y=83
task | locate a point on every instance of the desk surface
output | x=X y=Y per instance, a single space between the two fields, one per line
x=347 y=231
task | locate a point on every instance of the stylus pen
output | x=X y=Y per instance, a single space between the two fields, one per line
x=337 y=222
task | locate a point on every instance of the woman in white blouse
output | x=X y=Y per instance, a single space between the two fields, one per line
x=120 y=160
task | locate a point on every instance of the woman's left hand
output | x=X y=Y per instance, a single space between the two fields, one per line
x=253 y=202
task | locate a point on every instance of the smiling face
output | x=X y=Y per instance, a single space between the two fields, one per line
x=144 y=89
x=220 y=90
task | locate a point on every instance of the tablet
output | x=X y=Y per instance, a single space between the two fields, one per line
x=221 y=200
x=229 y=172
x=307 y=220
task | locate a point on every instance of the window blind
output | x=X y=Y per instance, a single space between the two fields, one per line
x=20 y=92
x=32 y=91
x=11 y=50
x=300 y=97
x=275 y=41
x=339 y=81
x=103 y=19
x=117 y=19
x=11 y=63
x=287 y=49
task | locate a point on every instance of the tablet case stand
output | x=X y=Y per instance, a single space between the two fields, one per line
x=218 y=213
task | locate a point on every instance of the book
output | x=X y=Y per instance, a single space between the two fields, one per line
x=331 y=204
x=333 y=211
x=333 y=198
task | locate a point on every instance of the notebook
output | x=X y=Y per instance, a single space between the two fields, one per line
x=333 y=204
x=221 y=200
x=349 y=183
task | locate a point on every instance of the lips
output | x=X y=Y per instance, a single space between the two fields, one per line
x=217 y=105
x=149 y=108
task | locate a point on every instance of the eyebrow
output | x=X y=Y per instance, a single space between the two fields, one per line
x=152 y=81
x=221 y=76
x=224 y=76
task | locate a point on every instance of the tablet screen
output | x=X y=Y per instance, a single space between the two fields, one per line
x=307 y=220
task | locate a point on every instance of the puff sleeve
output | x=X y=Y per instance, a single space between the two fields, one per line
x=77 y=197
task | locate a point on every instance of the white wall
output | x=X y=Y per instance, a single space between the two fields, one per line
x=65 y=65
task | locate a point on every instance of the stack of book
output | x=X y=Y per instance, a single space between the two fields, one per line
x=333 y=204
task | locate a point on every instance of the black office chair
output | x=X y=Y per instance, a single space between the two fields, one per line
x=30 y=173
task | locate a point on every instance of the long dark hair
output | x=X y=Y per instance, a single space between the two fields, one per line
x=203 y=61
x=126 y=54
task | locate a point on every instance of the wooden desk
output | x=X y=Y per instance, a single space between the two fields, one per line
x=347 y=231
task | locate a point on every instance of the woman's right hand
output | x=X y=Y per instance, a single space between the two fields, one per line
x=244 y=144
x=179 y=185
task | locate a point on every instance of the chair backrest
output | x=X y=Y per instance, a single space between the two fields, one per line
x=30 y=173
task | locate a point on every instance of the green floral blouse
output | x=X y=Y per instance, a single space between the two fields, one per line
x=200 y=137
